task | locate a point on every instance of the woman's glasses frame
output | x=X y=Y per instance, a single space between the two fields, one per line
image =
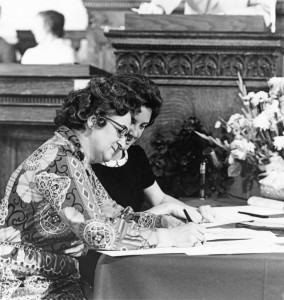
x=122 y=130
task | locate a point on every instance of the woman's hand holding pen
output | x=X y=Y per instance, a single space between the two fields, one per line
x=176 y=210
x=187 y=235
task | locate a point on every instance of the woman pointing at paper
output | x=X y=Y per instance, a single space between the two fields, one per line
x=54 y=199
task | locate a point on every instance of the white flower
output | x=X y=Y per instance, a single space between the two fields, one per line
x=72 y=215
x=249 y=96
x=278 y=142
x=218 y=124
x=259 y=97
x=231 y=159
x=41 y=158
x=239 y=154
x=243 y=145
x=26 y=188
x=261 y=121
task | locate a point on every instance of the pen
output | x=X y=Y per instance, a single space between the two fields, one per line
x=187 y=216
x=189 y=220
x=253 y=215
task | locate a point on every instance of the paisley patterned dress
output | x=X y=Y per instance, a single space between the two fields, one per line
x=53 y=200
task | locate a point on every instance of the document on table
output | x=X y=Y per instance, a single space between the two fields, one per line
x=212 y=234
x=236 y=247
x=270 y=224
x=230 y=214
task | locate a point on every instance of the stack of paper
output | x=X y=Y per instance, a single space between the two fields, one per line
x=259 y=213
x=237 y=236
x=236 y=247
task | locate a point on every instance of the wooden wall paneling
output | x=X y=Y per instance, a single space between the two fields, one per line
x=197 y=71
x=105 y=14
x=17 y=143
x=29 y=97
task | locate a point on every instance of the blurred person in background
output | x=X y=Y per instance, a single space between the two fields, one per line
x=19 y=15
x=52 y=48
x=265 y=8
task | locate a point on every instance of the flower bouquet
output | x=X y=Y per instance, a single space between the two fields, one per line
x=254 y=139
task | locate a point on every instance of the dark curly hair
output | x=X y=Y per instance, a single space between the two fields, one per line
x=147 y=93
x=105 y=96
x=54 y=21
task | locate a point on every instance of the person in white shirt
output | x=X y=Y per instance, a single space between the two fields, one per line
x=20 y=14
x=52 y=48
x=265 y=8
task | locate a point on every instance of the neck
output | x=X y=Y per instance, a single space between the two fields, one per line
x=49 y=38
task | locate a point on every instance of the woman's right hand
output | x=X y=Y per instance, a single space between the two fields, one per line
x=187 y=235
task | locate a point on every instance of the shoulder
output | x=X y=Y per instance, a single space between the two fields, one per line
x=136 y=150
x=28 y=55
x=137 y=155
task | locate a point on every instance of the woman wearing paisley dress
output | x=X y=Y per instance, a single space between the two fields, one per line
x=54 y=199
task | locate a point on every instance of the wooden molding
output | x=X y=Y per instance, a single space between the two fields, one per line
x=202 y=54
x=216 y=23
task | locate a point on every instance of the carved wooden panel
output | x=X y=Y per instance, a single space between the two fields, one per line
x=29 y=97
x=197 y=64
x=16 y=144
x=197 y=72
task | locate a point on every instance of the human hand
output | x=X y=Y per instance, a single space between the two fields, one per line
x=164 y=209
x=187 y=235
x=77 y=250
x=170 y=221
x=207 y=213
x=149 y=8
x=176 y=210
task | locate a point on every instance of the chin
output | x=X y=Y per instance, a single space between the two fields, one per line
x=127 y=145
x=107 y=157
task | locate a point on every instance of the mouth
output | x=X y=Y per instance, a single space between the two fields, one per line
x=114 y=149
x=129 y=139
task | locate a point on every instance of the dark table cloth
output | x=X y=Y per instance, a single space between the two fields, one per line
x=178 y=276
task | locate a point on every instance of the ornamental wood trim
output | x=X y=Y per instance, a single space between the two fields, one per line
x=197 y=64
x=30 y=101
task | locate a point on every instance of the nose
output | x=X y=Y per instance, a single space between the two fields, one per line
x=134 y=132
x=122 y=143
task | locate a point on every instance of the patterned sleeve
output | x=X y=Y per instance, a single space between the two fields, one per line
x=89 y=211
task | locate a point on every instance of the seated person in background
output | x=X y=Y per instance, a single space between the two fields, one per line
x=19 y=14
x=128 y=177
x=265 y=8
x=8 y=42
x=54 y=199
x=48 y=30
x=7 y=51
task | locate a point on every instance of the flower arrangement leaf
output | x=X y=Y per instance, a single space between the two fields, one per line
x=254 y=137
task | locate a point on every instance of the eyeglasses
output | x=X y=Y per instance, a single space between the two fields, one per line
x=122 y=130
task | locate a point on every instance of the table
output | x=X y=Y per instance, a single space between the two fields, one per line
x=178 y=276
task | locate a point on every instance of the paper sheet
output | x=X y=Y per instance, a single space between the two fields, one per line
x=212 y=234
x=264 y=202
x=229 y=214
x=238 y=234
x=277 y=223
x=145 y=251
x=236 y=247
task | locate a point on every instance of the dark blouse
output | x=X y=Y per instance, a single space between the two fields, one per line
x=125 y=184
